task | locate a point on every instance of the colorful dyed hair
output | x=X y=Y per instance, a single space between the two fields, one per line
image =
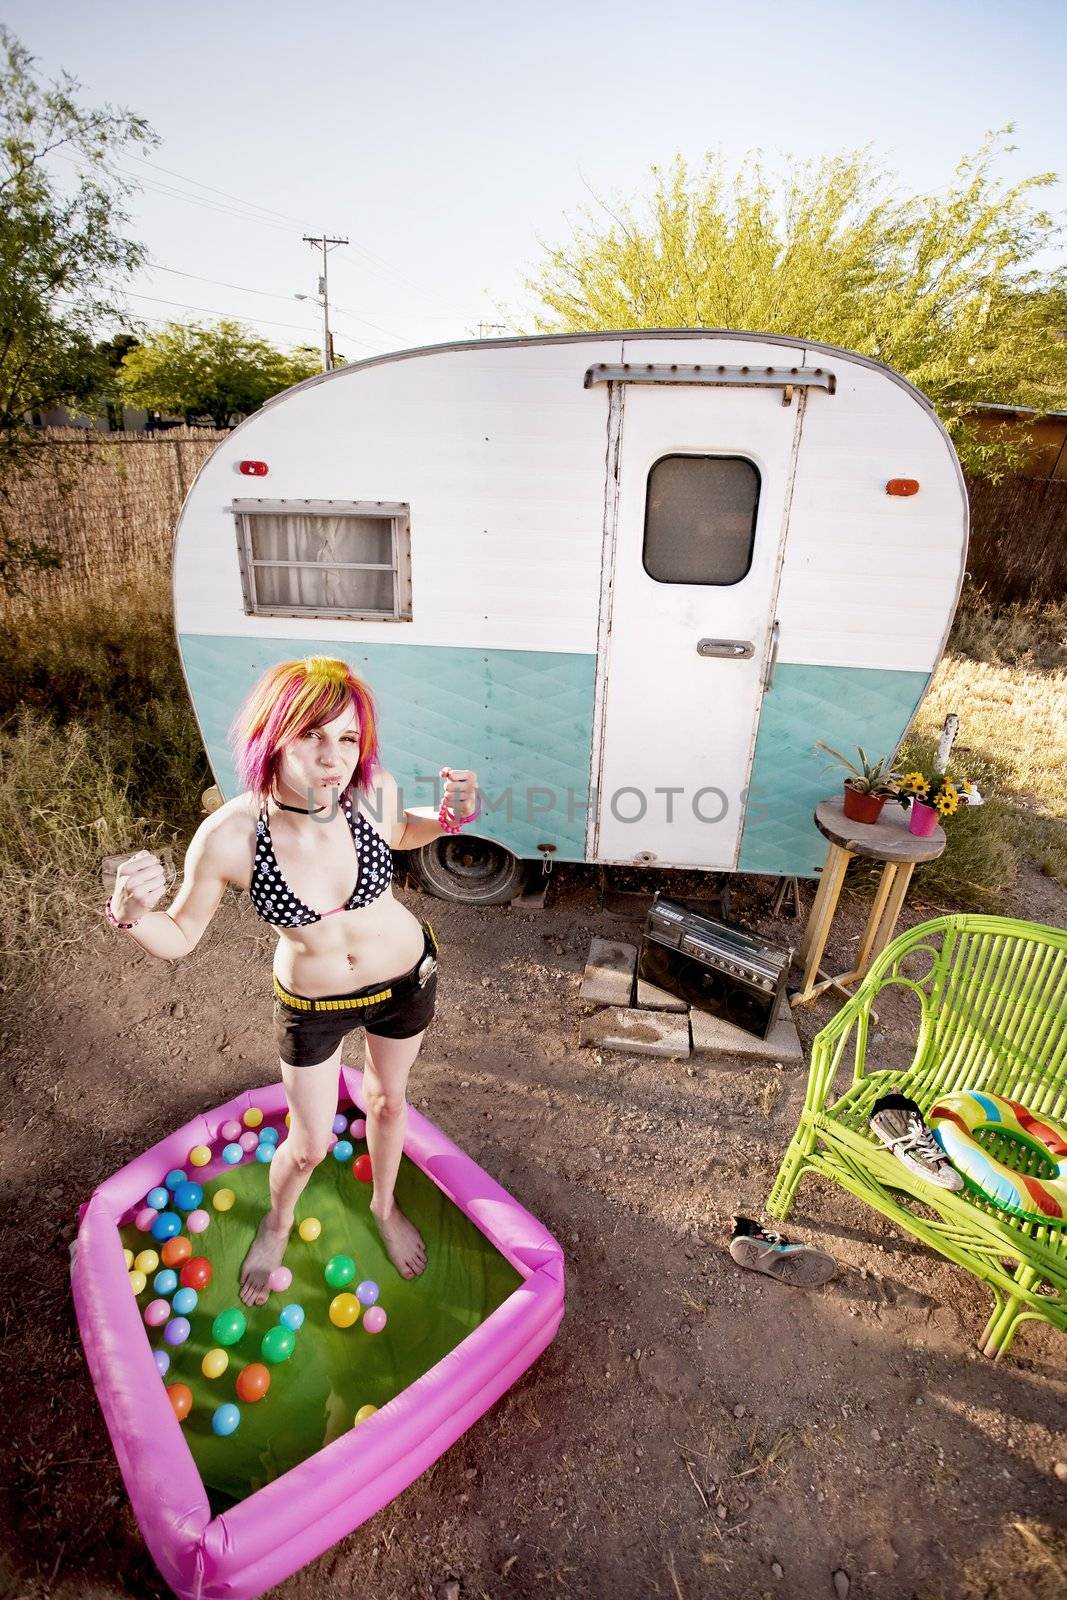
x=290 y=698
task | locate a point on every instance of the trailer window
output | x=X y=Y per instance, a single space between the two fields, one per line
x=325 y=558
x=700 y=519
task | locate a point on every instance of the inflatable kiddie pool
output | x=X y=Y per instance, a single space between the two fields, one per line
x=230 y=1515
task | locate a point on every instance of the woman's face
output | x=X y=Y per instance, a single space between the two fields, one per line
x=319 y=764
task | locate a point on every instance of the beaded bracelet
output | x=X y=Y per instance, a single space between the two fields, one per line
x=456 y=823
x=113 y=920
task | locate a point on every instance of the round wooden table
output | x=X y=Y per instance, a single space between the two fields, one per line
x=886 y=840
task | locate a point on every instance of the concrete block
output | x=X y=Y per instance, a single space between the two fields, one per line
x=609 y=973
x=644 y=1033
x=714 y=1037
x=652 y=998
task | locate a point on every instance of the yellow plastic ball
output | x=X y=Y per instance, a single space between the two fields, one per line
x=252 y=1117
x=127 y=1256
x=223 y=1199
x=363 y=1413
x=199 y=1155
x=147 y=1261
x=214 y=1363
x=288 y=1119
x=137 y=1281
x=344 y=1310
x=310 y=1229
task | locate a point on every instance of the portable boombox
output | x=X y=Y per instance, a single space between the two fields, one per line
x=711 y=966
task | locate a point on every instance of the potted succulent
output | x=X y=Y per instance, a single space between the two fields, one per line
x=934 y=795
x=867 y=787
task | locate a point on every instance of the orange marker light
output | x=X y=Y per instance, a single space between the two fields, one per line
x=903 y=486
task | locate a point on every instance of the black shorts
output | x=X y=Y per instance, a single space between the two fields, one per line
x=308 y=1031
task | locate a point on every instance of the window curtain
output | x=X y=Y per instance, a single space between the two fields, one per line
x=324 y=541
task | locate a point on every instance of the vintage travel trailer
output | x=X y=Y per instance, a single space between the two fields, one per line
x=629 y=578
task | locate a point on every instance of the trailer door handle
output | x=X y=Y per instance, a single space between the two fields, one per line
x=733 y=649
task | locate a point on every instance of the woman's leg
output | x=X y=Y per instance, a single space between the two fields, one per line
x=312 y=1096
x=387 y=1063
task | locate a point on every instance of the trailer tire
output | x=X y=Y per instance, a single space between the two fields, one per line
x=472 y=871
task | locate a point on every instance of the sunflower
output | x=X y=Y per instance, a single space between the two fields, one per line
x=914 y=783
x=946 y=802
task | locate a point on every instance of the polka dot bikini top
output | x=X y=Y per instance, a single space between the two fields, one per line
x=274 y=900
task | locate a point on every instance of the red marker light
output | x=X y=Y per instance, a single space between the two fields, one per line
x=903 y=486
x=259 y=469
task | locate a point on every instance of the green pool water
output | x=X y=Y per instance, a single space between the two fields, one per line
x=315 y=1394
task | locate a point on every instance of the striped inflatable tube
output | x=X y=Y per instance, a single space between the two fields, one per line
x=956 y=1118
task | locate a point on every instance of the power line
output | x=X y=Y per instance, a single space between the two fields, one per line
x=154 y=166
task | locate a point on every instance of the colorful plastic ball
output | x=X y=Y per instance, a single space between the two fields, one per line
x=144 y=1219
x=127 y=1256
x=252 y=1117
x=344 y=1310
x=137 y=1281
x=277 y=1344
x=156 y=1313
x=165 y=1281
x=176 y=1250
x=367 y=1292
x=268 y=1136
x=198 y=1221
x=188 y=1195
x=375 y=1319
x=363 y=1413
x=196 y=1273
x=229 y=1326
x=199 y=1155
x=177 y=1330
x=331 y=1141
x=288 y=1119
x=230 y=1130
x=358 y=1128
x=265 y=1153
x=175 y=1177
x=340 y=1124
x=340 y=1270
x=248 y=1141
x=309 y=1229
x=292 y=1317
x=253 y=1382
x=166 y=1225
x=342 y=1150
x=231 y=1154
x=362 y=1168
x=158 y=1198
x=162 y=1361
x=214 y=1363
x=223 y=1199
x=226 y=1420
x=145 y=1261
x=185 y=1302
x=181 y=1398
x=279 y=1279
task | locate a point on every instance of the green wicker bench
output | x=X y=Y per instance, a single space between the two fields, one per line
x=993 y=997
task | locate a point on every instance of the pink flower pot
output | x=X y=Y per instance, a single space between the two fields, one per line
x=923 y=819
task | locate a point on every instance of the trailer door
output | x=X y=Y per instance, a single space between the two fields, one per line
x=705 y=469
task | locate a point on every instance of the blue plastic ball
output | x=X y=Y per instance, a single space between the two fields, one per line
x=165 y=1281
x=162 y=1361
x=340 y=1124
x=292 y=1317
x=268 y=1136
x=342 y=1150
x=158 y=1198
x=187 y=1196
x=264 y=1152
x=226 y=1420
x=166 y=1225
x=231 y=1154
x=174 y=1177
x=185 y=1301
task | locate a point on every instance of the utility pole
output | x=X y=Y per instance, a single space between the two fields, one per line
x=325 y=244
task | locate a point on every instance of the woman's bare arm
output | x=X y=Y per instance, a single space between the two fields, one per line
x=177 y=931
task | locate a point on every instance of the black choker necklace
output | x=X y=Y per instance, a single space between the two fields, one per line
x=303 y=810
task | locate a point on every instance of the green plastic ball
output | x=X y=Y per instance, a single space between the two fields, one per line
x=339 y=1271
x=277 y=1344
x=229 y=1326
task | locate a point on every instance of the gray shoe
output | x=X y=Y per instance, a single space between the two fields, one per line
x=898 y=1122
x=761 y=1250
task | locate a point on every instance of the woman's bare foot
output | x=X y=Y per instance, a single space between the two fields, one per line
x=402 y=1241
x=266 y=1253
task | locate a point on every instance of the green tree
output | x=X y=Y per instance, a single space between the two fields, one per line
x=945 y=288
x=222 y=372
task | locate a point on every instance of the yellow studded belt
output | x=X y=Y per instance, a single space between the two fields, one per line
x=299 y=1002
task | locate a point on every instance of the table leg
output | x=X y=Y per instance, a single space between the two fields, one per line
x=894 y=902
x=870 y=932
x=817 y=930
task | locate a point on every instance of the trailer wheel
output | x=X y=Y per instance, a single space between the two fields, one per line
x=473 y=871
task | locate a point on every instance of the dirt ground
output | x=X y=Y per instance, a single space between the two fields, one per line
x=695 y=1430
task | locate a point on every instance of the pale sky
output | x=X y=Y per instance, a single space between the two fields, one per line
x=452 y=143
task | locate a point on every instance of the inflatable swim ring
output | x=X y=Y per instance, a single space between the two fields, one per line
x=955 y=1119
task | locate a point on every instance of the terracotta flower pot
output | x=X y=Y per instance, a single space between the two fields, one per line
x=860 y=807
x=923 y=819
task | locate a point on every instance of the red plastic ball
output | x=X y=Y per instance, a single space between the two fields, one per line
x=176 y=1250
x=181 y=1398
x=196 y=1273
x=253 y=1382
x=362 y=1169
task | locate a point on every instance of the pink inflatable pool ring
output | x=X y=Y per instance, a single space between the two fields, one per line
x=260 y=1540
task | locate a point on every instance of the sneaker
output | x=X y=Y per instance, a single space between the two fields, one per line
x=761 y=1250
x=899 y=1124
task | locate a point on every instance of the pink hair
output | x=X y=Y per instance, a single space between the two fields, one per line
x=290 y=698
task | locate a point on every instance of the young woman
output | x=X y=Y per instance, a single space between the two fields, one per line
x=317 y=810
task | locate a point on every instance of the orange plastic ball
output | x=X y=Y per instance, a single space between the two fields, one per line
x=181 y=1398
x=362 y=1168
x=253 y=1382
x=176 y=1250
